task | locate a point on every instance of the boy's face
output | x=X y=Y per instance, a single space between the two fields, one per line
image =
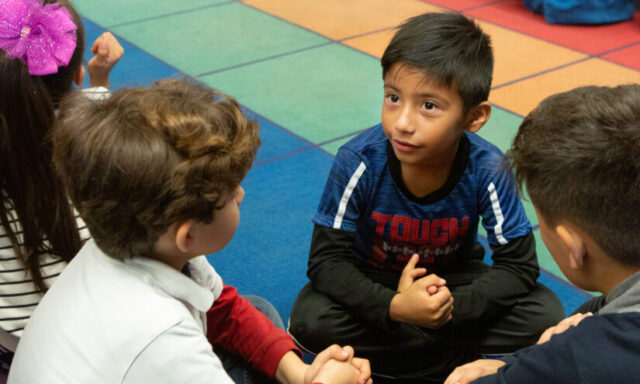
x=217 y=234
x=423 y=121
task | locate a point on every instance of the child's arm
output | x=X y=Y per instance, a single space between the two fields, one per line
x=107 y=51
x=515 y=267
x=333 y=271
x=333 y=365
x=513 y=275
x=237 y=326
x=467 y=373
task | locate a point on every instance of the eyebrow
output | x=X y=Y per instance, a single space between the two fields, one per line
x=420 y=95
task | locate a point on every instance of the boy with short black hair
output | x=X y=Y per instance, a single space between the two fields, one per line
x=155 y=173
x=578 y=153
x=404 y=199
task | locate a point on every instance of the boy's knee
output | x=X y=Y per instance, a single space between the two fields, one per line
x=306 y=321
x=544 y=308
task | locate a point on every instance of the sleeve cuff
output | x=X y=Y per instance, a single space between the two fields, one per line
x=274 y=351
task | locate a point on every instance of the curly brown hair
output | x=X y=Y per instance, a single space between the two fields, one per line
x=148 y=157
x=578 y=153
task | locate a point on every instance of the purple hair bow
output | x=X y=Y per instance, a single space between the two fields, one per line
x=39 y=35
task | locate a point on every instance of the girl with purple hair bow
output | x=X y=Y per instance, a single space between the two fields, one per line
x=41 y=50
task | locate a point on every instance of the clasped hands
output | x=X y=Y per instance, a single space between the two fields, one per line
x=421 y=300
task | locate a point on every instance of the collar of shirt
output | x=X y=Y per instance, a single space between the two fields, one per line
x=625 y=297
x=193 y=291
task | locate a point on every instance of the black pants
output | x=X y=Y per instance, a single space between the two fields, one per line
x=418 y=354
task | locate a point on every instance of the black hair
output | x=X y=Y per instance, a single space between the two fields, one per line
x=578 y=153
x=448 y=47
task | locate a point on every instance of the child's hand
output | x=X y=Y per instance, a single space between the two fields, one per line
x=337 y=372
x=562 y=326
x=467 y=373
x=410 y=273
x=107 y=51
x=336 y=354
x=426 y=302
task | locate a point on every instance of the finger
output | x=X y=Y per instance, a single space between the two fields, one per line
x=546 y=335
x=417 y=272
x=432 y=279
x=442 y=298
x=447 y=317
x=100 y=39
x=411 y=264
x=94 y=46
x=453 y=377
x=332 y=352
x=349 y=350
x=364 y=367
x=444 y=314
x=103 y=49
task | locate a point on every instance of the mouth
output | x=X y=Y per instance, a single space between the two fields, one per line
x=403 y=146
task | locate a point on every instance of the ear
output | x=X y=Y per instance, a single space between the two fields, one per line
x=78 y=75
x=477 y=117
x=184 y=236
x=575 y=245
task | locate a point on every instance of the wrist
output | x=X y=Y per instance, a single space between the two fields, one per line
x=393 y=308
x=98 y=78
x=99 y=82
x=291 y=369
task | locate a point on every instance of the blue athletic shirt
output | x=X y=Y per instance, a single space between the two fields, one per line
x=365 y=195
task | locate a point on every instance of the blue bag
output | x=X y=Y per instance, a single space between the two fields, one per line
x=582 y=11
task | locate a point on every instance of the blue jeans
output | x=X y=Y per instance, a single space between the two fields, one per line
x=237 y=368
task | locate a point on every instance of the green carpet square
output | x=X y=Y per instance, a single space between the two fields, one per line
x=318 y=94
x=214 y=38
x=112 y=12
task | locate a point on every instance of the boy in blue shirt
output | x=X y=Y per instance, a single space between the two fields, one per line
x=395 y=236
x=578 y=155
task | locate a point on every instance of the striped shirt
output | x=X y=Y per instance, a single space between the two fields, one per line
x=18 y=294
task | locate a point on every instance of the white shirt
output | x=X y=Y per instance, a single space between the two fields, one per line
x=108 y=321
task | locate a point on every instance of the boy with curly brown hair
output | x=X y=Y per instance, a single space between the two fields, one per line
x=155 y=173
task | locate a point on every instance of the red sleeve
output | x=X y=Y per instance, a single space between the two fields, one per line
x=237 y=326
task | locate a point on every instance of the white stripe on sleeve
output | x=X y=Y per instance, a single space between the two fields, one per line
x=497 y=211
x=342 y=208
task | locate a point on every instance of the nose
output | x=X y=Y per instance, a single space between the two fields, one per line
x=404 y=123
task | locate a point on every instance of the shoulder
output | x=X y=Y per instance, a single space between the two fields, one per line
x=614 y=323
x=482 y=154
x=99 y=308
x=367 y=143
x=367 y=152
x=601 y=338
x=487 y=166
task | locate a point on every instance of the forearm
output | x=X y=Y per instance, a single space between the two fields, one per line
x=512 y=276
x=333 y=271
x=237 y=326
